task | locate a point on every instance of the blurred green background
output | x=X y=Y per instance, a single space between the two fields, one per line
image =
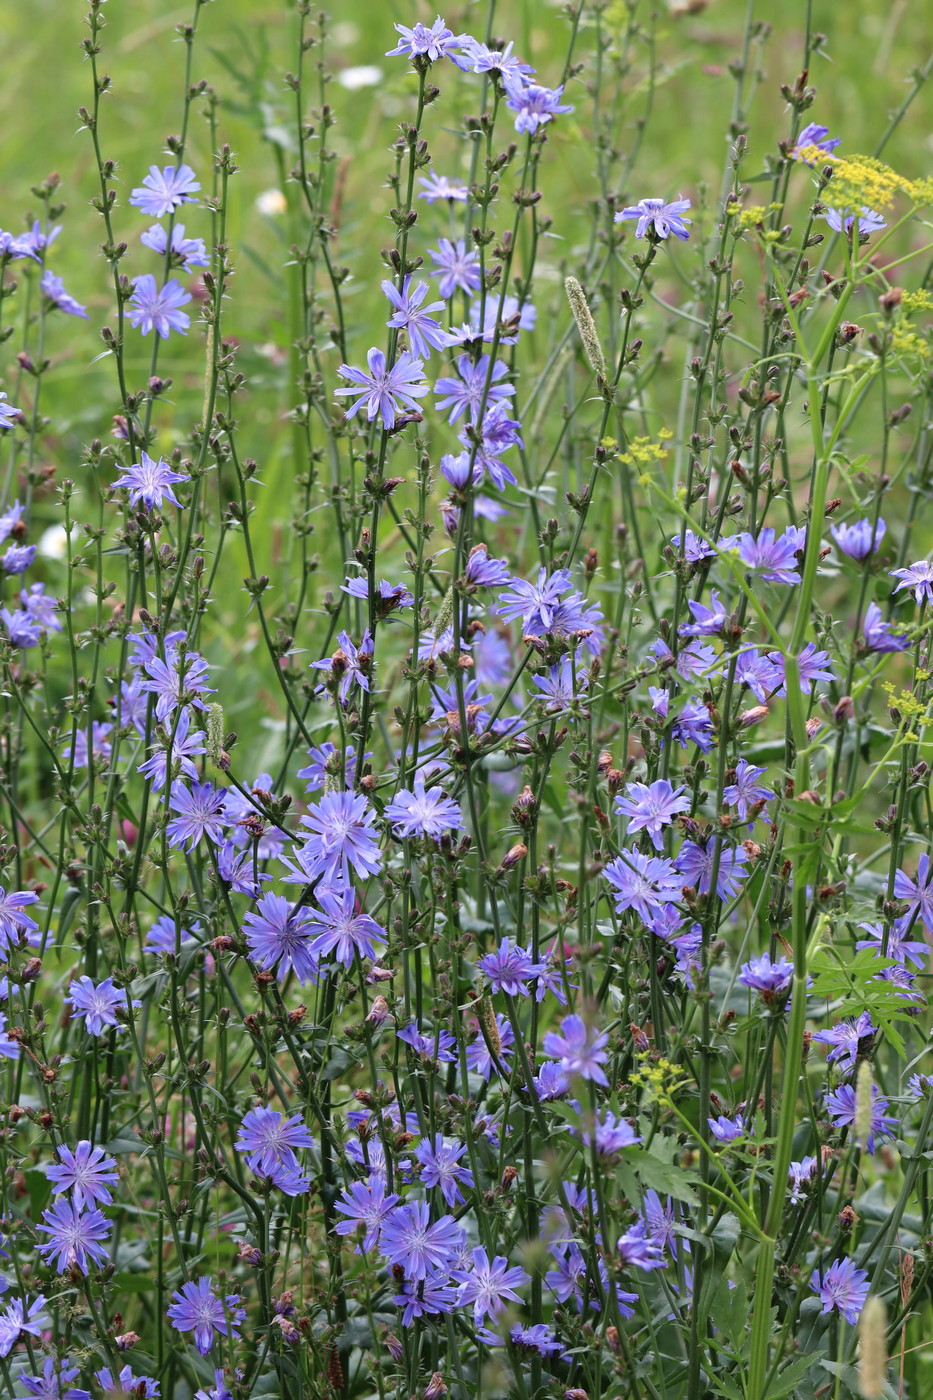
x=244 y=48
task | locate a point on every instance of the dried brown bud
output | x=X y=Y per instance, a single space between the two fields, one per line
x=639 y=1037
x=845 y=710
x=616 y=780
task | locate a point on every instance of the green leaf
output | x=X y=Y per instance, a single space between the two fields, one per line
x=790 y=1376
x=849 y=1376
x=556 y=802
x=356 y=1333
x=132 y=1283
x=729 y=1312
x=337 y=1065
x=856 y=983
x=40 y=1189
x=725 y=1237
x=656 y=1168
x=727 y=1387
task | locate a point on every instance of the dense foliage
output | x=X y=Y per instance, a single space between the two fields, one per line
x=531 y=998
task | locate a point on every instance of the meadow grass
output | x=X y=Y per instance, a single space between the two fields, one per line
x=559 y=906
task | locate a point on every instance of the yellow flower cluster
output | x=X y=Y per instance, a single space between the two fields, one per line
x=916 y=301
x=646 y=449
x=755 y=215
x=643 y=452
x=658 y=1077
x=913 y=710
x=907 y=344
x=860 y=182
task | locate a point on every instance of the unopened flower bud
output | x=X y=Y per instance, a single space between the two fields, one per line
x=288 y=1329
x=378 y=1011
x=847 y=1218
x=523 y=808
